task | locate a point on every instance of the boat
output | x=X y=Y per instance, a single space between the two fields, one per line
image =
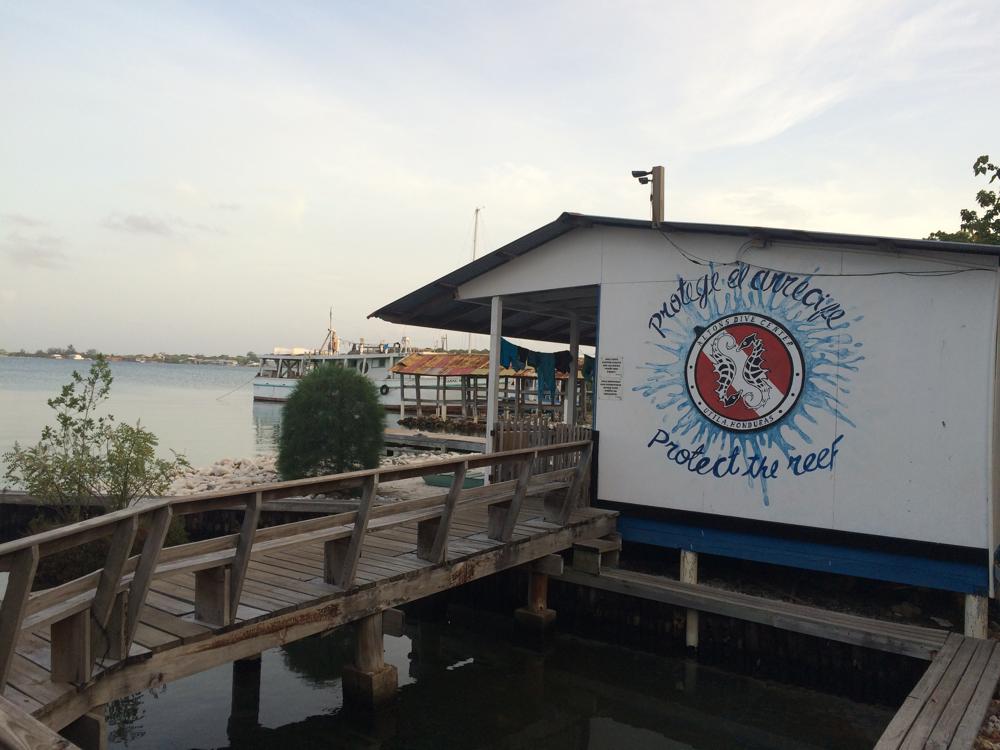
x=280 y=372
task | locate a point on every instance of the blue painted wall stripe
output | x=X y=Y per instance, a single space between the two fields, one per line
x=913 y=570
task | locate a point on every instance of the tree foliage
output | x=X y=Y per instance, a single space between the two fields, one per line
x=333 y=422
x=87 y=454
x=975 y=227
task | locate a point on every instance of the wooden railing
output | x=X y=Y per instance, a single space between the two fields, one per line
x=96 y=615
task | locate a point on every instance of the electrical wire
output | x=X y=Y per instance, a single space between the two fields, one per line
x=740 y=252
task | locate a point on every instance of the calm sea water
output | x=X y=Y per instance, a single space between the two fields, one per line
x=471 y=687
x=203 y=411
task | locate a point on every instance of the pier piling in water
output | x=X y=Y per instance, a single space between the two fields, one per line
x=370 y=682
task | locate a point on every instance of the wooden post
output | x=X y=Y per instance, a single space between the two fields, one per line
x=148 y=559
x=244 y=712
x=341 y=556
x=251 y=516
x=71 y=648
x=689 y=574
x=537 y=616
x=977 y=610
x=211 y=595
x=557 y=511
x=402 y=395
x=370 y=682
x=493 y=374
x=416 y=387
x=502 y=517
x=89 y=732
x=15 y=601
x=432 y=534
x=102 y=640
x=569 y=415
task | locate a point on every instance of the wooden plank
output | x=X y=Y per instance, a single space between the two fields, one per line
x=434 y=547
x=24 y=702
x=14 y=605
x=559 y=512
x=341 y=562
x=102 y=640
x=955 y=708
x=975 y=713
x=512 y=512
x=71 y=643
x=211 y=596
x=248 y=529
x=148 y=559
x=929 y=714
x=36 y=682
x=19 y=730
x=171 y=624
x=153 y=638
x=918 y=642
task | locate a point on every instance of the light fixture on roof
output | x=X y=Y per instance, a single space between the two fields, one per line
x=657 y=176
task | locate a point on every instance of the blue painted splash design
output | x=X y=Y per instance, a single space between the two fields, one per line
x=831 y=358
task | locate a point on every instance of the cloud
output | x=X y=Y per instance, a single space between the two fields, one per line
x=143 y=224
x=38 y=251
x=140 y=224
x=21 y=220
x=227 y=206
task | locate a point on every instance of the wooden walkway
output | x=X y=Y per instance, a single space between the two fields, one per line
x=908 y=640
x=166 y=613
x=946 y=708
x=948 y=704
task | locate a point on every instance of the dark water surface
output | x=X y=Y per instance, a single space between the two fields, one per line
x=470 y=688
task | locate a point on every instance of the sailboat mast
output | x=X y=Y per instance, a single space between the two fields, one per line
x=475 y=239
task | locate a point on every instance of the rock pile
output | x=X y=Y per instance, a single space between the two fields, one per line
x=237 y=473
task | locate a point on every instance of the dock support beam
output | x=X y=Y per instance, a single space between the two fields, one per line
x=493 y=375
x=370 y=682
x=689 y=574
x=537 y=616
x=569 y=413
x=977 y=609
x=211 y=596
x=244 y=714
x=89 y=732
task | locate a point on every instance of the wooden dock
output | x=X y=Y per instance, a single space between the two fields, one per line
x=165 y=613
x=945 y=709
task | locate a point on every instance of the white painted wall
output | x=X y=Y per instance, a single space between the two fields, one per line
x=916 y=463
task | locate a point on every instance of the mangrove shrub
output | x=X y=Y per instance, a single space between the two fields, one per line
x=333 y=422
x=87 y=455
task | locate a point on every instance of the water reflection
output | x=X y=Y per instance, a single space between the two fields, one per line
x=266 y=426
x=473 y=688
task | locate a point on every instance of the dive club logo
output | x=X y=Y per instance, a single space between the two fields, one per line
x=744 y=372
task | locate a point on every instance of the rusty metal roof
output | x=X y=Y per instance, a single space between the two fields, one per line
x=445 y=364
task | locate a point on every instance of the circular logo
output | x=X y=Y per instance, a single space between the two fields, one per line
x=744 y=372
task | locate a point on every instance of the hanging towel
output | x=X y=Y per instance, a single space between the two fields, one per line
x=563 y=361
x=510 y=355
x=545 y=371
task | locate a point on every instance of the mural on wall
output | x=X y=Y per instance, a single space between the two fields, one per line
x=745 y=363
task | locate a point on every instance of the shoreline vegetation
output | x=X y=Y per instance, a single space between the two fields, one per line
x=250 y=359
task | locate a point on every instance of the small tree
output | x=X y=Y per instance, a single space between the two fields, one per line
x=87 y=455
x=975 y=227
x=333 y=422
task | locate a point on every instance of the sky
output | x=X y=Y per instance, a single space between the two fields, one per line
x=212 y=177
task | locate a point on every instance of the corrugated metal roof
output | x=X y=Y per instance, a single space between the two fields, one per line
x=434 y=305
x=444 y=364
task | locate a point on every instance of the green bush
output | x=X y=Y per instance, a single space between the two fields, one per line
x=333 y=422
x=87 y=454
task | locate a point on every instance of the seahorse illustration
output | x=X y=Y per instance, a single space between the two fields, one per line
x=748 y=379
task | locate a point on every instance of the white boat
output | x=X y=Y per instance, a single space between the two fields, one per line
x=280 y=372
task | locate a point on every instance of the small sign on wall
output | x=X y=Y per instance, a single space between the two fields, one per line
x=610 y=374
